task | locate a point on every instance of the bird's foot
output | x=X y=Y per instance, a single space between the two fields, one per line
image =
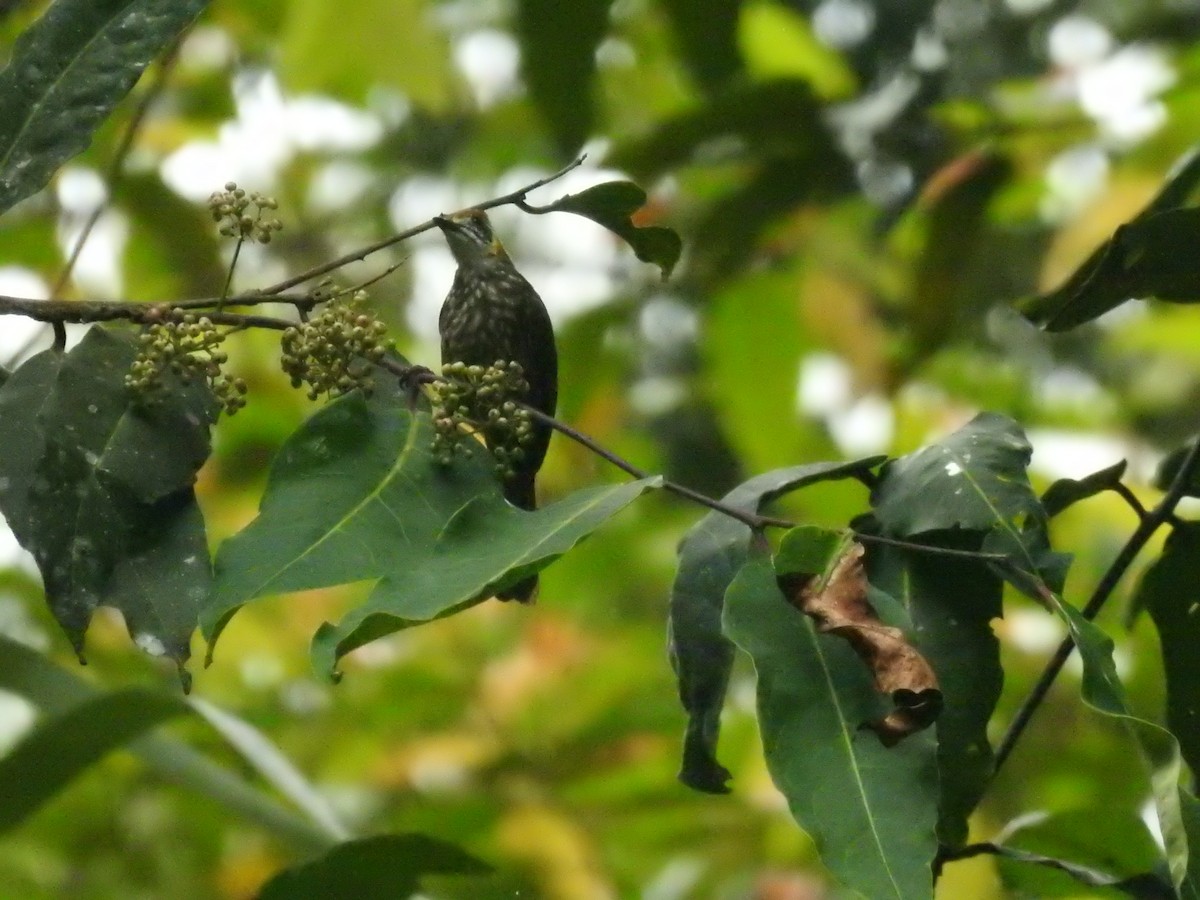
x=412 y=380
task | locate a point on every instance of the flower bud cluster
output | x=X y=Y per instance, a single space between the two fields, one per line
x=484 y=401
x=242 y=215
x=326 y=351
x=187 y=347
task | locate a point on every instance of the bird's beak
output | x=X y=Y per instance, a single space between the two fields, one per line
x=443 y=222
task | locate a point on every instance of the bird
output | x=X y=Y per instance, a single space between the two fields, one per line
x=493 y=313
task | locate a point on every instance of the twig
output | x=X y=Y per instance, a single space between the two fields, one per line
x=116 y=166
x=515 y=197
x=1122 y=490
x=1147 y=525
x=753 y=520
x=237 y=251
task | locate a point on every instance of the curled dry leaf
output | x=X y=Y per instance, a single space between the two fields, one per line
x=837 y=602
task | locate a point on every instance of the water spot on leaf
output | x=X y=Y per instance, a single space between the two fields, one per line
x=953 y=468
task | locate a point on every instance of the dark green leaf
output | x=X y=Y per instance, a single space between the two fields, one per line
x=973 y=479
x=1147 y=257
x=1069 y=491
x=356 y=495
x=612 y=205
x=67 y=72
x=709 y=556
x=706 y=32
x=58 y=749
x=871 y=810
x=1170 y=591
x=100 y=491
x=558 y=61
x=951 y=602
x=386 y=865
x=1169 y=468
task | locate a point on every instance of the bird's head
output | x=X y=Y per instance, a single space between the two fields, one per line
x=470 y=236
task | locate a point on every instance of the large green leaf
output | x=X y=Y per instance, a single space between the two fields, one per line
x=66 y=74
x=58 y=749
x=1170 y=591
x=386 y=865
x=612 y=205
x=356 y=495
x=973 y=479
x=711 y=553
x=951 y=602
x=558 y=61
x=99 y=490
x=871 y=810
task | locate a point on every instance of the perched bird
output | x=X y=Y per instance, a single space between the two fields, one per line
x=492 y=313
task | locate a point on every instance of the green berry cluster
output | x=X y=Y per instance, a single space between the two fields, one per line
x=325 y=351
x=242 y=215
x=484 y=401
x=188 y=347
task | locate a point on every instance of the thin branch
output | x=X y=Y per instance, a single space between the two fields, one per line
x=116 y=165
x=237 y=251
x=1122 y=490
x=515 y=197
x=415 y=375
x=1147 y=525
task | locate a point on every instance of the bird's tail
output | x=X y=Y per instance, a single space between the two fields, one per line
x=519 y=491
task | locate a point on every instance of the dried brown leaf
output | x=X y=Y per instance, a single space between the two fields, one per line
x=838 y=604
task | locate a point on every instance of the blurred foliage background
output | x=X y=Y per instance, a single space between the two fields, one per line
x=863 y=187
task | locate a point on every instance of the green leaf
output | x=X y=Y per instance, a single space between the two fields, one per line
x=779 y=118
x=67 y=72
x=1106 y=847
x=1169 y=468
x=1146 y=257
x=56 y=691
x=871 y=810
x=483 y=548
x=951 y=602
x=386 y=865
x=356 y=495
x=1168 y=590
x=1068 y=491
x=100 y=492
x=172 y=249
x=558 y=62
x=339 y=49
x=58 y=749
x=613 y=205
x=706 y=35
x=1102 y=690
x=711 y=553
x=973 y=479
x=777 y=41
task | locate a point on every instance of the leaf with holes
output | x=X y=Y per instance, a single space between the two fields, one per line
x=99 y=490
